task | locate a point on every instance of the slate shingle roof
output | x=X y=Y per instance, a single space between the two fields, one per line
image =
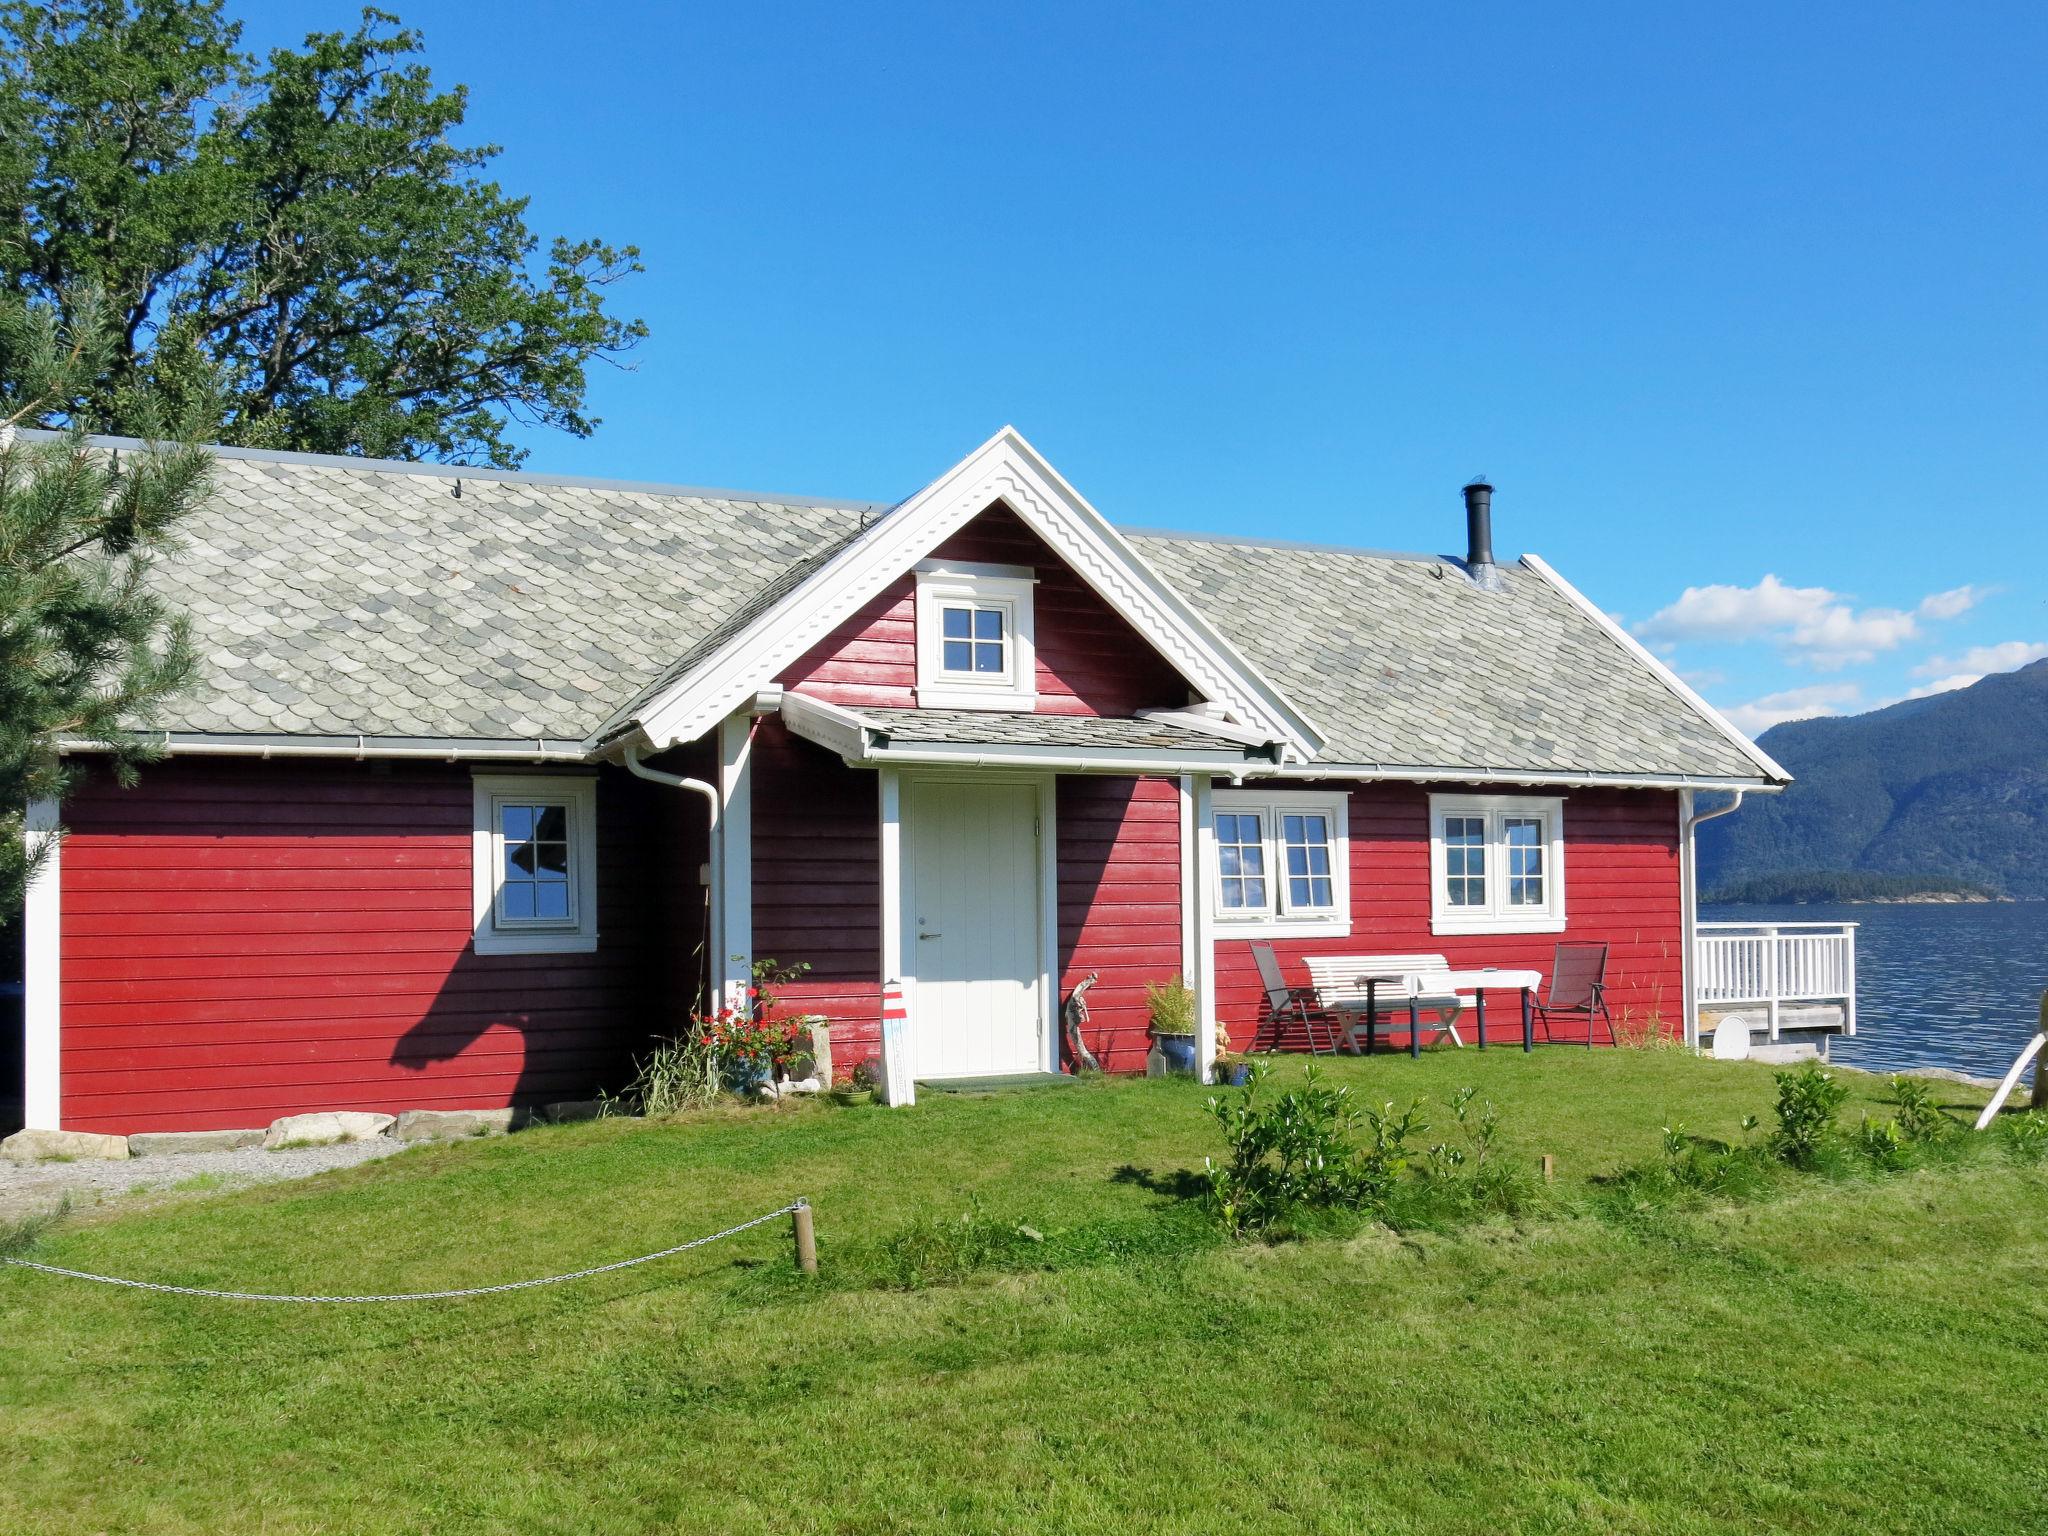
x=979 y=727
x=1402 y=661
x=335 y=598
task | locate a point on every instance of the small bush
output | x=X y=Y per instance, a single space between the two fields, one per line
x=2024 y=1136
x=1921 y=1120
x=1884 y=1144
x=1809 y=1101
x=1299 y=1150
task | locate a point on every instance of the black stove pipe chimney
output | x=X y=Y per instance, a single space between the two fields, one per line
x=1478 y=527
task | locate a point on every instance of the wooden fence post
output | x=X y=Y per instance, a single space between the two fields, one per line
x=1549 y=1168
x=806 y=1238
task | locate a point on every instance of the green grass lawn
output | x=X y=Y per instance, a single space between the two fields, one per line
x=1860 y=1354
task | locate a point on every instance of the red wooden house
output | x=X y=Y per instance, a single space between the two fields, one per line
x=492 y=775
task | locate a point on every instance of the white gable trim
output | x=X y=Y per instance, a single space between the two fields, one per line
x=1008 y=469
x=1670 y=679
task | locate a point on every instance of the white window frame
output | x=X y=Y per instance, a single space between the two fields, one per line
x=1280 y=919
x=1007 y=588
x=493 y=934
x=1497 y=916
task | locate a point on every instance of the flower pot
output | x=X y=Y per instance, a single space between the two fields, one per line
x=1234 y=1074
x=1179 y=1051
x=745 y=1078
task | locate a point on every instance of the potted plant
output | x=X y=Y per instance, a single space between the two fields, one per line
x=1232 y=1070
x=750 y=1050
x=1173 y=1023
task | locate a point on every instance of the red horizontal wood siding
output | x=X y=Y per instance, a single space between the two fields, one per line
x=1089 y=661
x=818 y=886
x=243 y=940
x=1621 y=887
x=1119 y=905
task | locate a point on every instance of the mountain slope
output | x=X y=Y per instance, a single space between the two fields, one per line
x=1953 y=785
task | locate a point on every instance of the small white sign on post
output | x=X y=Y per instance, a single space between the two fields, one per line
x=899 y=1085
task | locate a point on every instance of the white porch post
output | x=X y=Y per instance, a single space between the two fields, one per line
x=1197 y=942
x=732 y=862
x=890 y=790
x=1688 y=922
x=42 y=1043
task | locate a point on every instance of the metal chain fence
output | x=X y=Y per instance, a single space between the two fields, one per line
x=475 y=1290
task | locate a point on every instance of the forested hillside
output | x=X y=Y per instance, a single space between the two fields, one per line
x=1954 y=786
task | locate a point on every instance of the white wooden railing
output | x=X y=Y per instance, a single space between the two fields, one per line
x=1769 y=964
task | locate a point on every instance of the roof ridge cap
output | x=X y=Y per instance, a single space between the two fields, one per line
x=355 y=462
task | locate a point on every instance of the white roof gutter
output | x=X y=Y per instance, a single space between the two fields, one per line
x=1415 y=773
x=357 y=749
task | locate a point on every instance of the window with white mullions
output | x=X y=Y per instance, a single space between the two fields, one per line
x=534 y=864
x=974 y=636
x=1305 y=841
x=535 y=842
x=973 y=641
x=1241 y=861
x=1281 y=862
x=1465 y=861
x=1496 y=864
x=1523 y=838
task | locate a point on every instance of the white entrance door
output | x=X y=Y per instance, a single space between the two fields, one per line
x=971 y=927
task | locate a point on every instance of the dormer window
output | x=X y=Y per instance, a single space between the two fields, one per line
x=974 y=646
x=971 y=640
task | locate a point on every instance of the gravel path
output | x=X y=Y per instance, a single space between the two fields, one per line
x=27 y=1189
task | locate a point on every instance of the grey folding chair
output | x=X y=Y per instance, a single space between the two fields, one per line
x=1578 y=988
x=1284 y=1002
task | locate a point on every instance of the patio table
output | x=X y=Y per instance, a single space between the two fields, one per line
x=1479 y=982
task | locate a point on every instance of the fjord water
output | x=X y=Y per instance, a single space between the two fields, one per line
x=1937 y=985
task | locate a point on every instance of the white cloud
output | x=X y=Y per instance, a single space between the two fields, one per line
x=1952 y=603
x=1944 y=685
x=1736 y=613
x=1759 y=715
x=1980 y=659
x=1815 y=624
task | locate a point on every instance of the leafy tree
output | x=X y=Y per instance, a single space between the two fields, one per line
x=298 y=239
x=86 y=650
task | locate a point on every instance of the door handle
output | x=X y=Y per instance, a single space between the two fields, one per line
x=931 y=935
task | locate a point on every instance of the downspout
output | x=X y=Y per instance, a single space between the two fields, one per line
x=1689 y=902
x=673 y=781
x=710 y=793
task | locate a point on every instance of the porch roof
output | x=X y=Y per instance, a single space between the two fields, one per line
x=1161 y=742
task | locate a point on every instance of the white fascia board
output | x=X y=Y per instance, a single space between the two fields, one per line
x=1774 y=773
x=1188 y=719
x=831 y=726
x=1005 y=468
x=1161 y=760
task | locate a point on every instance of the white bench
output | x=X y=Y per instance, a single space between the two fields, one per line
x=1375 y=987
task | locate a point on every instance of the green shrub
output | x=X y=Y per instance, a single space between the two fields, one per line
x=1809 y=1100
x=2024 y=1136
x=1301 y=1151
x=1921 y=1120
x=1883 y=1143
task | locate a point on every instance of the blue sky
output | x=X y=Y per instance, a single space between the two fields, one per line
x=1740 y=306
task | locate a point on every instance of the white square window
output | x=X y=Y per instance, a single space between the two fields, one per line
x=974 y=635
x=1496 y=864
x=1282 y=862
x=534 y=863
